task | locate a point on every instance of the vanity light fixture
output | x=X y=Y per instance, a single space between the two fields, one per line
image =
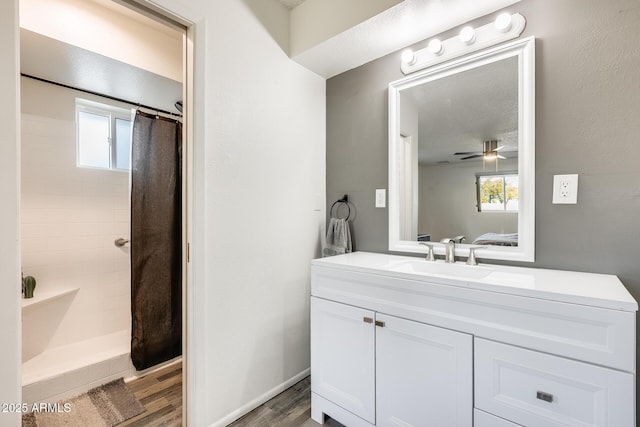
x=467 y=35
x=435 y=47
x=408 y=57
x=503 y=22
x=505 y=27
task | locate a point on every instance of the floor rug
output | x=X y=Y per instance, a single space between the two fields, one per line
x=103 y=406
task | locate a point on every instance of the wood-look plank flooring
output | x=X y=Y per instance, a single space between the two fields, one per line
x=161 y=394
x=291 y=408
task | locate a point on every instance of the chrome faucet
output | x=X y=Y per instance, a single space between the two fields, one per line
x=430 y=256
x=449 y=250
x=472 y=259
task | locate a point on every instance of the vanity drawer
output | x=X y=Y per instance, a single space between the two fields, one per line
x=482 y=419
x=538 y=390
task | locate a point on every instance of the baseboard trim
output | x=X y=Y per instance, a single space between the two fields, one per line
x=245 y=409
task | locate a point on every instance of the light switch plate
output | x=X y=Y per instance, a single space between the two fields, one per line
x=565 y=189
x=381 y=198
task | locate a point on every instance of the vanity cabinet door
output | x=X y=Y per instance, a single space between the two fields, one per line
x=343 y=356
x=424 y=375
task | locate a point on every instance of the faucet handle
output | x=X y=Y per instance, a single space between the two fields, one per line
x=430 y=255
x=459 y=239
x=447 y=240
x=472 y=260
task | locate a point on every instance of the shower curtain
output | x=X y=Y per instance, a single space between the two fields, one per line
x=156 y=240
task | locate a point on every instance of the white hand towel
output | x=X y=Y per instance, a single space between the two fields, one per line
x=338 y=238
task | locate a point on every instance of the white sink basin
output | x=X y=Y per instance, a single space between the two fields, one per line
x=440 y=268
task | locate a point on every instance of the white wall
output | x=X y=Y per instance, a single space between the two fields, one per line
x=264 y=203
x=9 y=220
x=70 y=217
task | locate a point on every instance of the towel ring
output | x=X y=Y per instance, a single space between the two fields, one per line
x=344 y=200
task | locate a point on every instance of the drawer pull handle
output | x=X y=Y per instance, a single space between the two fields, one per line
x=367 y=320
x=379 y=323
x=545 y=396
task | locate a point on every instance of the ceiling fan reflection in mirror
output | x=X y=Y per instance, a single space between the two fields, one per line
x=489 y=151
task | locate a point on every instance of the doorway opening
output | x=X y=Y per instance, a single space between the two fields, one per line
x=77 y=328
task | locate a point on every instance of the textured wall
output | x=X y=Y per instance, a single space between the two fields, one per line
x=587 y=122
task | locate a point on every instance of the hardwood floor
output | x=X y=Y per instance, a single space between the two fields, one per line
x=161 y=393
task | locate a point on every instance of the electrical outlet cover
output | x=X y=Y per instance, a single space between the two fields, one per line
x=565 y=189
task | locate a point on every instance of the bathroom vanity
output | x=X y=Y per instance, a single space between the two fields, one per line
x=400 y=341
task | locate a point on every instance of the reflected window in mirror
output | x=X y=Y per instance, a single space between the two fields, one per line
x=497 y=192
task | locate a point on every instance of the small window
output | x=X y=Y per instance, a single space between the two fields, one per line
x=497 y=192
x=103 y=135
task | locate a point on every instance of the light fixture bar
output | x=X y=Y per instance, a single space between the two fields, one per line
x=505 y=27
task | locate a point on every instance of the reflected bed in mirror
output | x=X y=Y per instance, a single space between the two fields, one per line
x=462 y=154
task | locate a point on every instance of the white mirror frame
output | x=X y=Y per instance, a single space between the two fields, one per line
x=524 y=49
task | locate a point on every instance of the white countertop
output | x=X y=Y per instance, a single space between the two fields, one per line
x=597 y=290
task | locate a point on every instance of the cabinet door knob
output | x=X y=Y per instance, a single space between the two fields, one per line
x=547 y=397
x=367 y=320
x=379 y=323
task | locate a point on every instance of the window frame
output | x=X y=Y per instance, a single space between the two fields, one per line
x=504 y=175
x=113 y=113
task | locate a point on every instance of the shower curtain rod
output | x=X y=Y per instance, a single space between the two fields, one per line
x=137 y=104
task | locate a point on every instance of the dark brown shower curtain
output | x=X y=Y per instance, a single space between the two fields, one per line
x=156 y=240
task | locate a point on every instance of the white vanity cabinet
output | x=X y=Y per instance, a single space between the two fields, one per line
x=343 y=356
x=390 y=371
x=499 y=347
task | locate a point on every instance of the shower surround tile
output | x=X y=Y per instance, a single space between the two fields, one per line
x=70 y=217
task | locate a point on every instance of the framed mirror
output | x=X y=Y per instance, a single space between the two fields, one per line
x=462 y=155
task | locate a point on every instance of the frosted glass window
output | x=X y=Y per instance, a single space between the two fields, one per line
x=123 y=144
x=103 y=135
x=94 y=149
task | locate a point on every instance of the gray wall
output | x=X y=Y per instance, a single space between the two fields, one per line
x=587 y=122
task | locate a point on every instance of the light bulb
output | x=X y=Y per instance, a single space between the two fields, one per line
x=467 y=35
x=408 y=57
x=435 y=47
x=503 y=22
